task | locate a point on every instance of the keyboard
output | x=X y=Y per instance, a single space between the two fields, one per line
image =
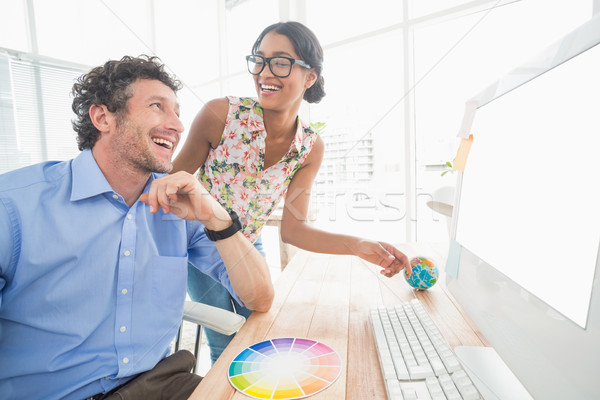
x=416 y=361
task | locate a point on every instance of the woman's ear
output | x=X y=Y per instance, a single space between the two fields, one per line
x=101 y=117
x=311 y=78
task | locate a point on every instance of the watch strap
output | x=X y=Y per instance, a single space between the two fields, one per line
x=227 y=232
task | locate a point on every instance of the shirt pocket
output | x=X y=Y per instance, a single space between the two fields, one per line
x=169 y=281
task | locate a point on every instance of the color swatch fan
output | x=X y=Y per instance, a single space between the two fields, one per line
x=284 y=368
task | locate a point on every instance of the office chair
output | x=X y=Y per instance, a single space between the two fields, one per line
x=217 y=319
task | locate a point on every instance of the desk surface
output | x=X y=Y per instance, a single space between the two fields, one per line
x=327 y=298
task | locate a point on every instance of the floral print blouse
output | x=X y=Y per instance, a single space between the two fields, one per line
x=234 y=171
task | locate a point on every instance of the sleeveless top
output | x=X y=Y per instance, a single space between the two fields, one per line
x=234 y=171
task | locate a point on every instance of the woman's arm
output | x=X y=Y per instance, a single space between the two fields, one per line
x=295 y=230
x=205 y=133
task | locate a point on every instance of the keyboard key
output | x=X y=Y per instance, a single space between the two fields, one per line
x=438 y=366
x=469 y=393
x=465 y=386
x=394 y=390
x=420 y=371
x=410 y=394
x=449 y=388
x=401 y=368
x=451 y=362
x=435 y=390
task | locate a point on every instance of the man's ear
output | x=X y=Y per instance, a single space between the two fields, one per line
x=101 y=117
x=311 y=78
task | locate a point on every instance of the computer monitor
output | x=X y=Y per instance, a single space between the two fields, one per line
x=524 y=255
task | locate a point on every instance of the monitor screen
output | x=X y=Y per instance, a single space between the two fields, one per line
x=527 y=219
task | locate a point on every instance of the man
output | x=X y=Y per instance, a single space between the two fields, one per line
x=94 y=250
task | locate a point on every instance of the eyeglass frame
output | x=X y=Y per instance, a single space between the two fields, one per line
x=267 y=60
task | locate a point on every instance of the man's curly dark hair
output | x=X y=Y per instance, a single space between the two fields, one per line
x=110 y=85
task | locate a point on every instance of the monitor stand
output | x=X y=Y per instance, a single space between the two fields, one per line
x=489 y=373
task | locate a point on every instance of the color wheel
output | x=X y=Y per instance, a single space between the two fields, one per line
x=284 y=368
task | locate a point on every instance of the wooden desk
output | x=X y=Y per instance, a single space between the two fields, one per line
x=328 y=298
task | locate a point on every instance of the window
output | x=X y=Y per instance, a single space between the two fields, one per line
x=35 y=112
x=455 y=59
x=397 y=76
x=360 y=187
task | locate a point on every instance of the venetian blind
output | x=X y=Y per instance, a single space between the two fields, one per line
x=35 y=112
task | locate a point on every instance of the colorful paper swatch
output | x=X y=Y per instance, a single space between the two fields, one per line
x=284 y=368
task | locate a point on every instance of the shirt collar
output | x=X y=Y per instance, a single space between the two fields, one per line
x=88 y=179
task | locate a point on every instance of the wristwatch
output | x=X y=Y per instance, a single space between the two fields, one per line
x=227 y=232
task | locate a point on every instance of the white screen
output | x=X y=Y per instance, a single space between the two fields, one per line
x=546 y=235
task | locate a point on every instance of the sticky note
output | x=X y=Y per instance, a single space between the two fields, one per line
x=462 y=154
x=453 y=259
x=468 y=117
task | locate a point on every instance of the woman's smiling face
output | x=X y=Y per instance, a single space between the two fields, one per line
x=276 y=93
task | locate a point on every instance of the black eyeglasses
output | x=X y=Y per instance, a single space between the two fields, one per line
x=281 y=67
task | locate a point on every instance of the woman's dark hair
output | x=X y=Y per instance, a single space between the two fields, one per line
x=308 y=48
x=110 y=85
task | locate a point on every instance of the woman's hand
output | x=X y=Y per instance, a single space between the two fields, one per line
x=383 y=254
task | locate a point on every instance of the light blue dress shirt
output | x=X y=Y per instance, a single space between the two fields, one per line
x=91 y=291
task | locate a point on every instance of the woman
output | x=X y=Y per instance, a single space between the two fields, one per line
x=249 y=170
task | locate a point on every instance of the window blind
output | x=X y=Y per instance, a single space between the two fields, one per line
x=35 y=112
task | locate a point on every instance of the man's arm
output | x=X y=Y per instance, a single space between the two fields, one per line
x=186 y=198
x=248 y=272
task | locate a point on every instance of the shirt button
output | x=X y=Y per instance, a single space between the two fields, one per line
x=115 y=196
x=127 y=253
x=123 y=329
x=125 y=360
x=129 y=216
x=107 y=378
x=124 y=291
